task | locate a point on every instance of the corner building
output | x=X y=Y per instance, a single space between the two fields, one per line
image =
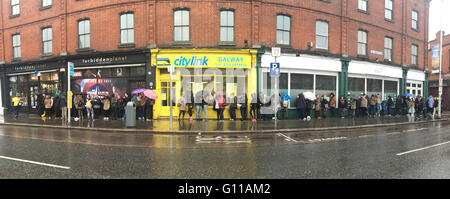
x=347 y=47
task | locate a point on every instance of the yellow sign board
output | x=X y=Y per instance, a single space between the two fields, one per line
x=205 y=59
x=69 y=99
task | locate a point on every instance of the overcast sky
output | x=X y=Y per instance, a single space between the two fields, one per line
x=435 y=9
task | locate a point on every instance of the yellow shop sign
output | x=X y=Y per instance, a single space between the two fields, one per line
x=206 y=60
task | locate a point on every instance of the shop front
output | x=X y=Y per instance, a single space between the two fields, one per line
x=28 y=80
x=210 y=71
x=109 y=74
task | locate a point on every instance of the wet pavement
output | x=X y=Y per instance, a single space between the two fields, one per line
x=212 y=125
x=353 y=153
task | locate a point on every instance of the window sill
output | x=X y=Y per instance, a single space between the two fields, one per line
x=181 y=43
x=16 y=59
x=363 y=57
x=284 y=46
x=321 y=50
x=45 y=8
x=227 y=43
x=363 y=11
x=326 y=1
x=389 y=20
x=417 y=30
x=14 y=16
x=83 y=50
x=46 y=55
x=130 y=45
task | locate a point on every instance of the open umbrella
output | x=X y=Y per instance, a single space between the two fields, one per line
x=309 y=95
x=151 y=94
x=353 y=97
x=139 y=90
x=408 y=95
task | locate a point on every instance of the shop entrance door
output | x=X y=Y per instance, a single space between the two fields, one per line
x=34 y=92
x=165 y=96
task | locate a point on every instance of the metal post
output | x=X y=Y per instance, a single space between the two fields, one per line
x=440 y=64
x=276 y=97
x=68 y=94
x=170 y=95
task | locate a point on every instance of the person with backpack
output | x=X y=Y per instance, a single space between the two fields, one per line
x=107 y=107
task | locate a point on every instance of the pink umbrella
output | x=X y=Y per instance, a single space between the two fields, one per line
x=150 y=94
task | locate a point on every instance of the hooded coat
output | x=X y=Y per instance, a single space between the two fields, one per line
x=301 y=103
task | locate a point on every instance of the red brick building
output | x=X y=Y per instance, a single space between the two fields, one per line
x=91 y=34
x=434 y=77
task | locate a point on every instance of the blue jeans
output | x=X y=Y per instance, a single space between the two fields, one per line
x=372 y=110
x=243 y=113
x=301 y=113
x=16 y=110
x=140 y=111
x=379 y=108
x=205 y=108
x=198 y=111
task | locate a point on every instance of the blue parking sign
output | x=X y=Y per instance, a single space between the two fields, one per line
x=274 y=69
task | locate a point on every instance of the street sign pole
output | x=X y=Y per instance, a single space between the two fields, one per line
x=276 y=96
x=68 y=93
x=276 y=52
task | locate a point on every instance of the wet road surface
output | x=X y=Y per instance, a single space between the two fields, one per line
x=406 y=151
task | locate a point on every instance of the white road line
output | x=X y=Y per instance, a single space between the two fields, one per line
x=34 y=162
x=423 y=148
x=287 y=137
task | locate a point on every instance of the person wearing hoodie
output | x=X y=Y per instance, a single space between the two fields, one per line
x=300 y=105
x=285 y=98
x=389 y=105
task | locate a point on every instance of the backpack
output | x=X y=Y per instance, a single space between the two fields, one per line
x=80 y=103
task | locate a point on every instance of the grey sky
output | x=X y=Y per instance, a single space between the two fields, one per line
x=435 y=9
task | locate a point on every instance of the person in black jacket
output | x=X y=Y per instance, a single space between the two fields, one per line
x=300 y=104
x=342 y=104
x=398 y=105
x=389 y=105
x=56 y=106
x=358 y=106
x=243 y=101
x=324 y=106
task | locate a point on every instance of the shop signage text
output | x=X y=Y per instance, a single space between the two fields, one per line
x=102 y=60
x=215 y=60
x=30 y=67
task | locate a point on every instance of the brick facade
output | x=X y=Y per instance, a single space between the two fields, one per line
x=255 y=22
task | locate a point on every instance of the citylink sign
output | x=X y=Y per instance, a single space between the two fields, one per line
x=205 y=60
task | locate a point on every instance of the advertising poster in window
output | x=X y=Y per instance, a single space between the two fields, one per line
x=116 y=87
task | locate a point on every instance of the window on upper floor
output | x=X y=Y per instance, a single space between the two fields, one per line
x=283 y=29
x=127 y=28
x=388 y=48
x=16 y=46
x=181 y=25
x=227 y=25
x=362 y=5
x=322 y=35
x=84 y=34
x=47 y=41
x=46 y=3
x=388 y=5
x=414 y=52
x=415 y=19
x=362 y=42
x=15 y=9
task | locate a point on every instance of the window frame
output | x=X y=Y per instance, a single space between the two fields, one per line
x=13 y=6
x=390 y=49
x=391 y=10
x=227 y=26
x=365 y=44
x=84 y=34
x=366 y=9
x=283 y=30
x=16 y=46
x=414 y=57
x=46 y=41
x=415 y=21
x=181 y=26
x=46 y=6
x=127 y=29
x=319 y=35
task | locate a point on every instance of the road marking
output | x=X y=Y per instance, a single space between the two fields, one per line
x=287 y=137
x=34 y=162
x=423 y=148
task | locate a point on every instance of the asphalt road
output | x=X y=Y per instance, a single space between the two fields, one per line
x=406 y=151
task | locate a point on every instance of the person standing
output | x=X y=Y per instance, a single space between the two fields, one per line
x=56 y=106
x=379 y=107
x=389 y=105
x=317 y=106
x=48 y=107
x=89 y=108
x=15 y=104
x=221 y=103
x=398 y=105
x=107 y=108
x=243 y=103
x=285 y=98
x=182 y=106
x=149 y=109
x=352 y=108
x=301 y=105
x=364 y=105
x=96 y=105
x=141 y=106
x=373 y=104
x=332 y=105
x=358 y=106
x=253 y=107
x=79 y=106
x=411 y=105
x=63 y=106
x=232 y=100
x=324 y=106
x=342 y=106
x=430 y=105
x=261 y=100
x=190 y=105
x=198 y=105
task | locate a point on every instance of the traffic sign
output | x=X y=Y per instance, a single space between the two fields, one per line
x=71 y=68
x=276 y=51
x=274 y=69
x=36 y=72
